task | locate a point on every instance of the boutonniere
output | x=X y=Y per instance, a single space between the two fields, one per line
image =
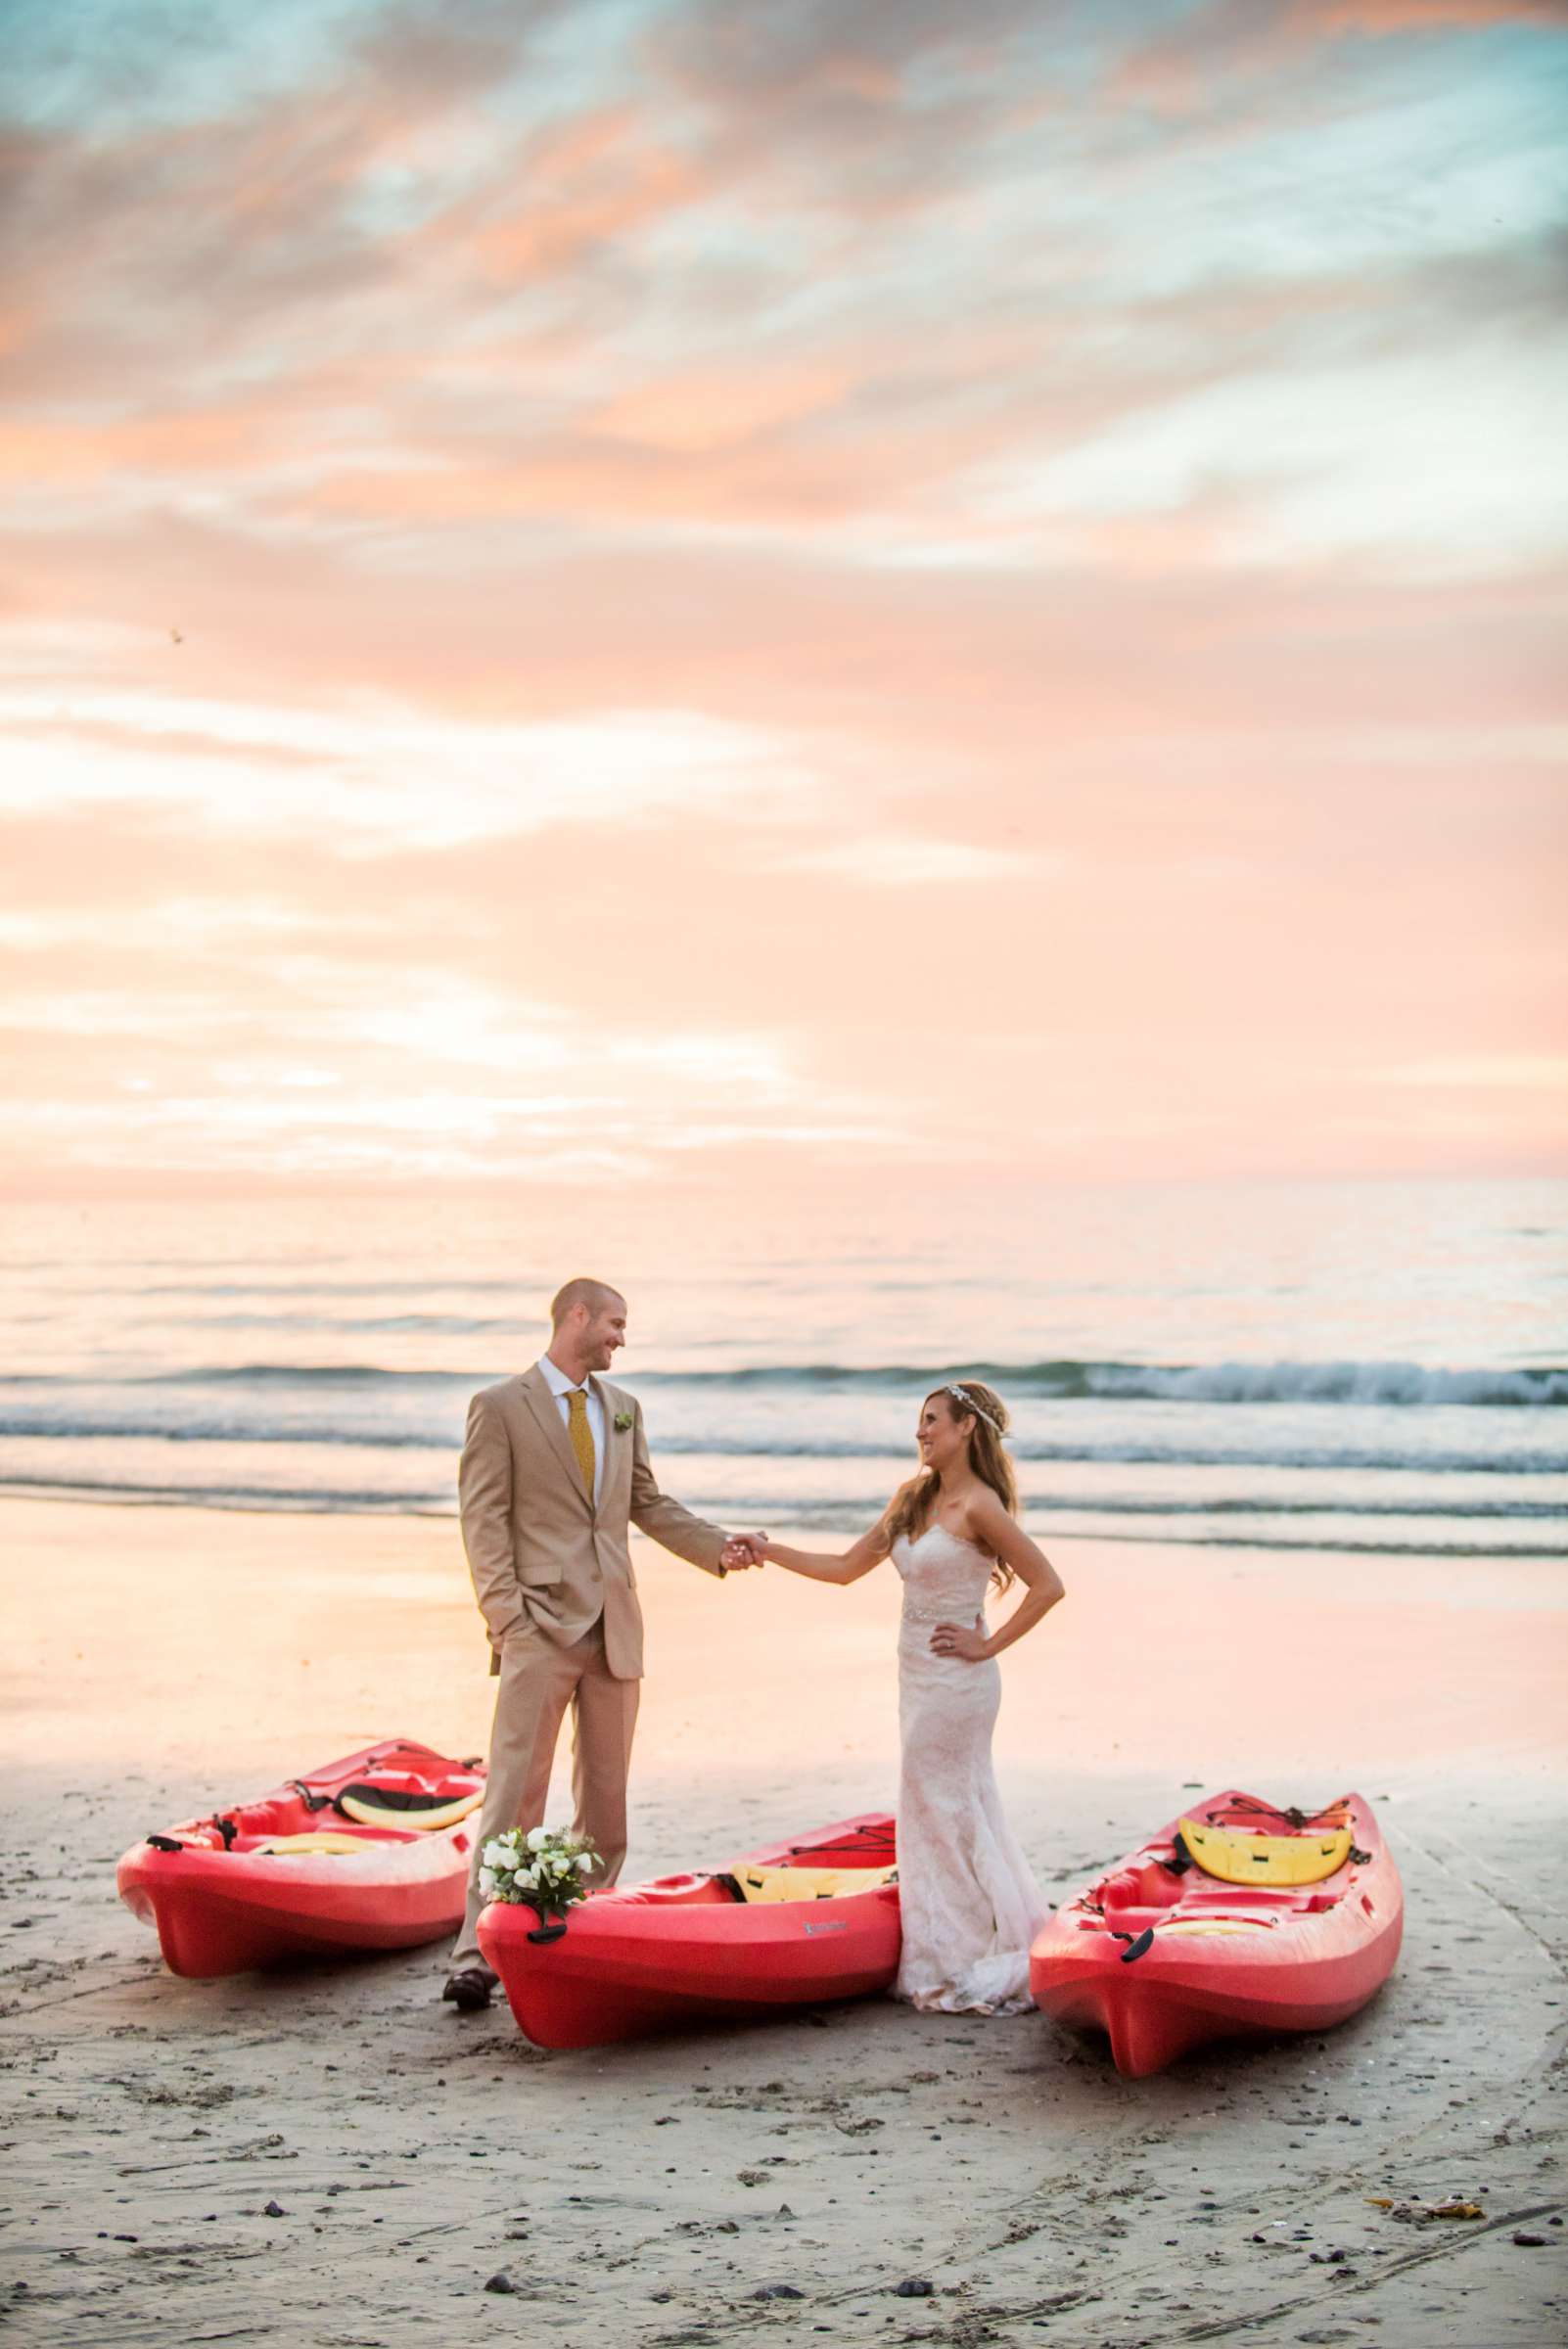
x=622 y=1422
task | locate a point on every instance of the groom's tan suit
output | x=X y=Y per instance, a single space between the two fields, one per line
x=552 y=1573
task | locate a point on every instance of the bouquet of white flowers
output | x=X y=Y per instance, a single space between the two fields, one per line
x=546 y=1868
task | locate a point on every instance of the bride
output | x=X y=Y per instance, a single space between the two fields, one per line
x=971 y=1907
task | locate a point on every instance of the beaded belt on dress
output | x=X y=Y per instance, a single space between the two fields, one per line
x=960 y=1607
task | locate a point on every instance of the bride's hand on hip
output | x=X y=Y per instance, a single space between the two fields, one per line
x=960 y=1640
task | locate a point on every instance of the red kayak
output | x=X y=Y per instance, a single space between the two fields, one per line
x=370 y=1853
x=793 y=1925
x=1237 y=1917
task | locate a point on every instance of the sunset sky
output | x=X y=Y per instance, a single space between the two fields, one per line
x=611 y=588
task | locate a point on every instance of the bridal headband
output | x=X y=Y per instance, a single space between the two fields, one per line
x=977 y=1410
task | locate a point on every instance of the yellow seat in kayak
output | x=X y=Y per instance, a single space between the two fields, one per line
x=286 y=1847
x=1266 y=1858
x=1216 y=1924
x=759 y=1884
x=372 y=1813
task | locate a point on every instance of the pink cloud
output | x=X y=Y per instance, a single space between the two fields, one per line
x=179 y=442
x=736 y=391
x=589 y=185
x=1377 y=18
x=1221 y=972
x=1220 y=44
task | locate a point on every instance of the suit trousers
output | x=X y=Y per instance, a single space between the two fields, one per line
x=538 y=1680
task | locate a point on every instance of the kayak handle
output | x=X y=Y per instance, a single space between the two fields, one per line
x=547 y=1932
x=1137 y=1946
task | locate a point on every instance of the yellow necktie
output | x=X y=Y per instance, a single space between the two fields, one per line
x=581 y=1435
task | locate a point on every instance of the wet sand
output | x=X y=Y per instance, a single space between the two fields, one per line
x=333 y=2157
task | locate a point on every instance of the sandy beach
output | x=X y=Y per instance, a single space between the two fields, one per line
x=333 y=2157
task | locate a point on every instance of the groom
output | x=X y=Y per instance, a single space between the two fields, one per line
x=554 y=1464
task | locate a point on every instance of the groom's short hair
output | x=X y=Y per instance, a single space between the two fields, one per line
x=595 y=1294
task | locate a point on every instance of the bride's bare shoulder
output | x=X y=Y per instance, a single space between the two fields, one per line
x=986 y=1518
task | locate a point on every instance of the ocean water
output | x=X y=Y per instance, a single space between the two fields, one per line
x=1377 y=1366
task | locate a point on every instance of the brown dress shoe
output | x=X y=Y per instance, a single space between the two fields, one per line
x=469 y=1987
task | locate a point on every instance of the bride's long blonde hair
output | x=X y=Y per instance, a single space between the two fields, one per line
x=909 y=1509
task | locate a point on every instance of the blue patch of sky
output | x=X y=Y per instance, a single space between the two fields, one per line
x=578 y=58
x=105 y=68
x=1435 y=161
x=1408 y=154
x=101 y=66
x=1403 y=166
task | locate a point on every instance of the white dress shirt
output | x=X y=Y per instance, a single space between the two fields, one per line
x=561 y=1387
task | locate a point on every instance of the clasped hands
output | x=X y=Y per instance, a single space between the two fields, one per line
x=742 y=1551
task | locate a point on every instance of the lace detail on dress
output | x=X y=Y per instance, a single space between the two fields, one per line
x=971 y=1907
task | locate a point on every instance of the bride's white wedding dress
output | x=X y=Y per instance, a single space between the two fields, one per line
x=970 y=1904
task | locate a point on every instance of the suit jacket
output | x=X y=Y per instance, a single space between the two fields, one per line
x=538 y=1550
